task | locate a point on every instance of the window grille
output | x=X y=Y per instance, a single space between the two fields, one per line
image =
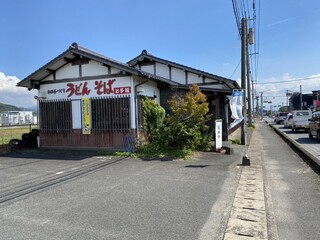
x=55 y=115
x=111 y=114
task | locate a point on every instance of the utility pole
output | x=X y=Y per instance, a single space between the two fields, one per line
x=300 y=97
x=244 y=37
x=288 y=107
x=243 y=77
x=261 y=105
x=248 y=88
x=257 y=105
x=249 y=40
x=252 y=89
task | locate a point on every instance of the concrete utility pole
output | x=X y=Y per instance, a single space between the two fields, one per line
x=243 y=77
x=252 y=95
x=300 y=97
x=245 y=159
x=249 y=40
x=261 y=105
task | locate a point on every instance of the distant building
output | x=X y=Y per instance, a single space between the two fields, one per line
x=295 y=102
x=316 y=100
x=16 y=118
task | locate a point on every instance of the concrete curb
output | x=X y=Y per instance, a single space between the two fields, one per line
x=312 y=160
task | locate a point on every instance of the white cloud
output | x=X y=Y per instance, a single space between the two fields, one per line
x=281 y=21
x=13 y=95
x=275 y=88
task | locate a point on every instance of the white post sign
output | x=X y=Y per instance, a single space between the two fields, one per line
x=218 y=131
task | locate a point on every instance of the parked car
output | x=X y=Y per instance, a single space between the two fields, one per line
x=314 y=126
x=300 y=120
x=280 y=117
x=288 y=121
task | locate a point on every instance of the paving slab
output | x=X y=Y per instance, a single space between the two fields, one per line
x=248 y=215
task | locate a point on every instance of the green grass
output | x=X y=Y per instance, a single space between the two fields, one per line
x=151 y=151
x=235 y=141
x=11 y=132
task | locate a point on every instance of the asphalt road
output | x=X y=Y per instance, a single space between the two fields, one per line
x=302 y=137
x=129 y=199
x=292 y=189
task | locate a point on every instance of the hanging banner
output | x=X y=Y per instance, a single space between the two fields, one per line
x=86 y=116
x=236 y=104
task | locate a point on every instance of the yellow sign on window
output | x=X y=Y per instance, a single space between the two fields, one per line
x=86 y=116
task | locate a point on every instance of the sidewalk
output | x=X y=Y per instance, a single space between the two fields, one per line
x=248 y=215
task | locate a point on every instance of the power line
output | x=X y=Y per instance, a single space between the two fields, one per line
x=235 y=69
x=236 y=14
x=292 y=80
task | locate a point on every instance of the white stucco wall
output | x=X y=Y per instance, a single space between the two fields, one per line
x=148 y=68
x=151 y=90
x=93 y=68
x=194 y=78
x=178 y=75
x=162 y=70
x=68 y=71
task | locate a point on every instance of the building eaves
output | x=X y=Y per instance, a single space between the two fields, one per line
x=72 y=52
x=145 y=55
x=75 y=51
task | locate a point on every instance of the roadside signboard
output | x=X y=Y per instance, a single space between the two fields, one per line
x=218 y=131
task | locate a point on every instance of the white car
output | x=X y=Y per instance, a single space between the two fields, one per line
x=280 y=117
x=288 y=121
x=300 y=120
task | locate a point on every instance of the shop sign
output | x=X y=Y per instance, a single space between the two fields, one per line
x=85 y=89
x=86 y=116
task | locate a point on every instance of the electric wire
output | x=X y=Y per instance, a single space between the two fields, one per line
x=242 y=9
x=235 y=69
x=236 y=14
x=291 y=80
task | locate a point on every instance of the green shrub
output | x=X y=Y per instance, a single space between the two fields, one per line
x=153 y=117
x=178 y=134
x=186 y=127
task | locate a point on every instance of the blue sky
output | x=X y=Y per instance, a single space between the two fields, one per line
x=198 y=33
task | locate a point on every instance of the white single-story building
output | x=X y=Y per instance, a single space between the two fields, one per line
x=88 y=100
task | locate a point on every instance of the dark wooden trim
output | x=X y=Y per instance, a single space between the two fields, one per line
x=80 y=60
x=68 y=60
x=204 y=84
x=107 y=66
x=80 y=69
x=170 y=73
x=154 y=68
x=186 y=76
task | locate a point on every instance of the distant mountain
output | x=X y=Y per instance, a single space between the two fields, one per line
x=7 y=107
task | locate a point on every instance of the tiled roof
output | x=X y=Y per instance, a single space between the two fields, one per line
x=75 y=51
x=146 y=55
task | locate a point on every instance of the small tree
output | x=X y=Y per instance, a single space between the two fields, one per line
x=186 y=127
